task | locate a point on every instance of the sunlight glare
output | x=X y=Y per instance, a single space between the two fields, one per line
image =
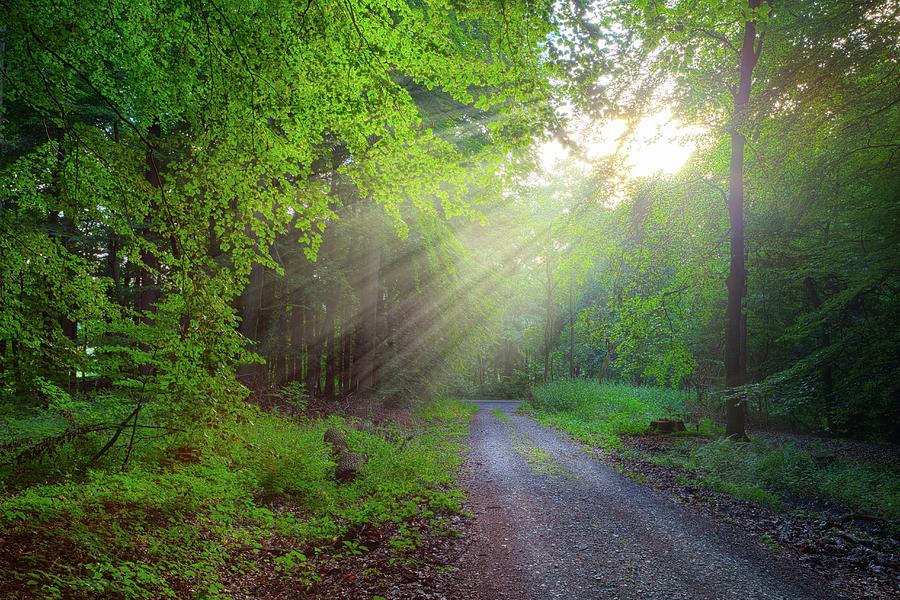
x=659 y=143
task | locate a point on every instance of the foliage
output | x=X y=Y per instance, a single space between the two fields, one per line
x=294 y=394
x=156 y=159
x=639 y=292
x=205 y=201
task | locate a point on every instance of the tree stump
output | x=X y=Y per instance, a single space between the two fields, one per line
x=348 y=463
x=667 y=425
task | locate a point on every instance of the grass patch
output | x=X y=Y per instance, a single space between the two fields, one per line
x=763 y=472
x=538 y=459
x=600 y=414
x=501 y=416
x=760 y=472
x=163 y=529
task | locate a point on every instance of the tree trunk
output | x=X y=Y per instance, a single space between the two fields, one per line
x=346 y=349
x=368 y=320
x=114 y=268
x=604 y=366
x=2 y=68
x=283 y=345
x=737 y=276
x=571 y=331
x=313 y=353
x=548 y=316
x=249 y=305
x=63 y=229
x=331 y=356
x=331 y=300
x=264 y=373
x=296 y=347
x=148 y=291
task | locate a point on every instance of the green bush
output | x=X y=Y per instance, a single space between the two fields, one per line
x=294 y=394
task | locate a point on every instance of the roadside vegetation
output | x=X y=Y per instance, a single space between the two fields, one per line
x=195 y=515
x=601 y=414
x=776 y=475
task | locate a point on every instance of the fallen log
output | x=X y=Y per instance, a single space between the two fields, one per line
x=348 y=464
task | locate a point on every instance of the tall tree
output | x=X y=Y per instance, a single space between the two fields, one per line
x=735 y=333
x=701 y=57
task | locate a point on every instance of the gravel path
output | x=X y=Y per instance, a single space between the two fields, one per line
x=552 y=522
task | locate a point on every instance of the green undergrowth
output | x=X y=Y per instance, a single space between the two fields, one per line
x=773 y=475
x=181 y=526
x=599 y=414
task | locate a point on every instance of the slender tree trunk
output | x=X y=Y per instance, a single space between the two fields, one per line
x=571 y=330
x=114 y=267
x=148 y=291
x=264 y=374
x=331 y=299
x=331 y=356
x=63 y=229
x=604 y=366
x=249 y=305
x=346 y=349
x=368 y=320
x=339 y=358
x=548 y=314
x=3 y=68
x=313 y=353
x=506 y=359
x=283 y=335
x=737 y=276
x=296 y=347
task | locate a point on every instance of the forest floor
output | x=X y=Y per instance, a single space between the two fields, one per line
x=252 y=507
x=545 y=516
x=553 y=521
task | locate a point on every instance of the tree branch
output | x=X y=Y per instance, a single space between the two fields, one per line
x=720 y=38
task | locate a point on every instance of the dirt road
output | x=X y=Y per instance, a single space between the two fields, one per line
x=553 y=522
